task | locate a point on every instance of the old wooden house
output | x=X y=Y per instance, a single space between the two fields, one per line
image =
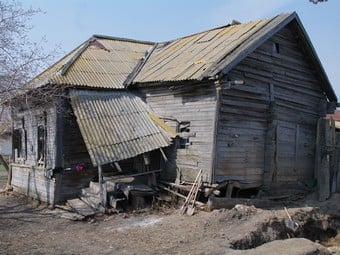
x=77 y=116
x=244 y=101
x=246 y=97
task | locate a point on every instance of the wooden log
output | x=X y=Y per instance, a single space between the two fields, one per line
x=228 y=203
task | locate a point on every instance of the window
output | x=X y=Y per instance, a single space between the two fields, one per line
x=41 y=143
x=276 y=48
x=42 y=140
x=19 y=142
x=184 y=130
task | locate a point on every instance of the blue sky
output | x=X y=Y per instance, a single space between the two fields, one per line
x=68 y=23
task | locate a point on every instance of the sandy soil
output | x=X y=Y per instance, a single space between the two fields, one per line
x=27 y=227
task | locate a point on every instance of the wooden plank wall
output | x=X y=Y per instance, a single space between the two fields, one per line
x=73 y=146
x=186 y=102
x=32 y=182
x=241 y=133
x=282 y=95
x=27 y=178
x=74 y=152
x=29 y=120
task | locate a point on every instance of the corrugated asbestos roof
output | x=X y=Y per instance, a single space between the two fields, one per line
x=100 y=62
x=114 y=63
x=115 y=125
x=204 y=54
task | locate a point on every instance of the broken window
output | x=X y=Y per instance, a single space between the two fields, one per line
x=19 y=142
x=42 y=140
x=184 y=130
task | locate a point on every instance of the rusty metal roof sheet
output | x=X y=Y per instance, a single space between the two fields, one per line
x=115 y=125
x=100 y=62
x=205 y=54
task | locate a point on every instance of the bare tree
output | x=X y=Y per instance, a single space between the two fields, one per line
x=20 y=59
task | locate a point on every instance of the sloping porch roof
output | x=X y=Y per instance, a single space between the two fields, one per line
x=115 y=125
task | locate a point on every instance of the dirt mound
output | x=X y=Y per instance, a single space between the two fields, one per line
x=293 y=246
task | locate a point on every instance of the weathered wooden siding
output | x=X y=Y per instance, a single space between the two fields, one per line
x=267 y=127
x=32 y=182
x=73 y=153
x=196 y=104
x=241 y=132
x=27 y=177
x=65 y=150
x=73 y=150
x=28 y=120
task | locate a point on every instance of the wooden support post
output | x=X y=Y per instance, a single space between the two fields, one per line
x=9 y=178
x=163 y=155
x=335 y=176
x=28 y=183
x=102 y=187
x=322 y=160
x=270 y=155
x=118 y=167
x=270 y=142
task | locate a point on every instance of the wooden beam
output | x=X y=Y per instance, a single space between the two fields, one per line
x=179 y=195
x=322 y=160
x=118 y=167
x=102 y=187
x=163 y=155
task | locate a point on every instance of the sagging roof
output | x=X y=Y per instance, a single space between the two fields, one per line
x=100 y=62
x=115 y=63
x=215 y=52
x=115 y=125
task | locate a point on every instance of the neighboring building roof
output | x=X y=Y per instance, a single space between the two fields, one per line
x=100 y=62
x=115 y=125
x=336 y=117
x=215 y=52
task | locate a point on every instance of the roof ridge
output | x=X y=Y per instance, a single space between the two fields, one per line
x=121 y=39
x=76 y=55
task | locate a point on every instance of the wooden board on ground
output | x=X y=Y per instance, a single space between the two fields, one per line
x=80 y=207
x=65 y=214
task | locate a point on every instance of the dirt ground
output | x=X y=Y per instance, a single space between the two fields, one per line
x=28 y=227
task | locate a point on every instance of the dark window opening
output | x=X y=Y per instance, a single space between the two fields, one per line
x=41 y=143
x=276 y=48
x=184 y=143
x=184 y=126
x=17 y=142
x=42 y=140
x=184 y=130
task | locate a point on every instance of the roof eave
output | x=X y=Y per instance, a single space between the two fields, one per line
x=221 y=68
